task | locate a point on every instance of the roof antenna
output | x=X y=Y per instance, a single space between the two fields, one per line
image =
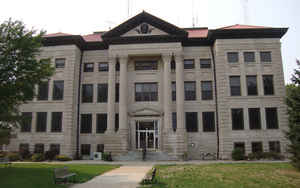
x=245 y=11
x=193 y=19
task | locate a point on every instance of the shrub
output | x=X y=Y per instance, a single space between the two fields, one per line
x=265 y=155
x=106 y=156
x=25 y=154
x=63 y=158
x=37 y=157
x=238 y=154
x=13 y=156
x=50 y=155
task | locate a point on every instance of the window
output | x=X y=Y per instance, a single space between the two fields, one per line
x=23 y=147
x=102 y=93
x=235 y=85
x=60 y=62
x=88 y=67
x=271 y=118
x=188 y=64
x=100 y=148
x=56 y=122
x=117 y=92
x=26 y=121
x=117 y=66
x=85 y=149
x=240 y=145
x=208 y=121
x=237 y=118
x=190 y=91
x=146 y=65
x=265 y=57
x=254 y=118
x=274 y=146
x=58 y=90
x=268 y=84
x=41 y=122
x=117 y=122
x=86 y=123
x=87 y=93
x=146 y=92
x=257 y=147
x=191 y=121
x=206 y=89
x=43 y=91
x=251 y=85
x=101 y=123
x=173 y=85
x=233 y=57
x=249 y=57
x=205 y=63
x=103 y=67
x=55 y=148
x=39 y=148
x=173 y=65
x=174 y=121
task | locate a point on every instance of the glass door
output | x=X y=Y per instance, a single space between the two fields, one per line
x=147 y=134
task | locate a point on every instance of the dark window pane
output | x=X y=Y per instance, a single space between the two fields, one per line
x=39 y=148
x=233 y=57
x=26 y=121
x=146 y=92
x=191 y=121
x=274 y=146
x=23 y=147
x=251 y=85
x=117 y=122
x=88 y=67
x=249 y=57
x=173 y=65
x=189 y=91
x=174 y=121
x=271 y=118
x=55 y=148
x=58 y=90
x=86 y=123
x=254 y=118
x=117 y=92
x=85 y=149
x=101 y=123
x=103 y=67
x=206 y=90
x=60 y=62
x=100 y=148
x=43 y=91
x=41 y=122
x=265 y=57
x=205 y=63
x=56 y=123
x=235 y=85
x=102 y=93
x=237 y=118
x=146 y=65
x=257 y=147
x=268 y=84
x=188 y=64
x=117 y=66
x=208 y=121
x=240 y=145
x=87 y=93
x=173 y=91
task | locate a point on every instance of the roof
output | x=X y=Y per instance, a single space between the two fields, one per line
x=95 y=37
x=239 y=26
x=197 y=32
x=59 y=34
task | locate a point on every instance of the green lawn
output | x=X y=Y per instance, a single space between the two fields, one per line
x=269 y=175
x=38 y=175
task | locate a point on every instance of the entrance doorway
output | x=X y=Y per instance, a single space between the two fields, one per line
x=147 y=134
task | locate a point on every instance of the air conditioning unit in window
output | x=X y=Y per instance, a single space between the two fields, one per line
x=97 y=156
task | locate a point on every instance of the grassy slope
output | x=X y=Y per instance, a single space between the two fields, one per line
x=273 y=175
x=41 y=175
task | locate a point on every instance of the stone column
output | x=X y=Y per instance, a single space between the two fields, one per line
x=123 y=120
x=111 y=95
x=179 y=92
x=167 y=93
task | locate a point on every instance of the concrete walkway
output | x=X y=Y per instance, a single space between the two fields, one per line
x=123 y=177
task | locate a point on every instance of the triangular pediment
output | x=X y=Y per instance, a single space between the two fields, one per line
x=144 y=29
x=146 y=112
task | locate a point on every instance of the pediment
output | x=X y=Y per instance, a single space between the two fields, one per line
x=144 y=29
x=146 y=112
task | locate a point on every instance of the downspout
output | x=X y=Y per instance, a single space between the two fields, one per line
x=216 y=101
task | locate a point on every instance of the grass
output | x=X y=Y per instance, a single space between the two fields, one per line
x=31 y=175
x=271 y=175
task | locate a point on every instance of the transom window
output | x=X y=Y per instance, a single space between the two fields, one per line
x=60 y=62
x=88 y=67
x=265 y=57
x=249 y=57
x=146 y=65
x=233 y=57
x=189 y=64
x=103 y=67
x=205 y=63
x=190 y=91
x=146 y=92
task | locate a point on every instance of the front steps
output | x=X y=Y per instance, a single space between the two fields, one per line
x=138 y=156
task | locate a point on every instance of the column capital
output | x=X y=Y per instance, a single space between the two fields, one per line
x=122 y=58
x=178 y=56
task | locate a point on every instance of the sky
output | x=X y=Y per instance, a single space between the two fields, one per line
x=87 y=16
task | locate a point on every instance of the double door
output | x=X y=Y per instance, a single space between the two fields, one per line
x=147 y=134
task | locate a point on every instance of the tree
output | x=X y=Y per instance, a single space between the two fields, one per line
x=293 y=103
x=20 y=70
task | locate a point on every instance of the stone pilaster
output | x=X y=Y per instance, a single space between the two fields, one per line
x=111 y=95
x=167 y=93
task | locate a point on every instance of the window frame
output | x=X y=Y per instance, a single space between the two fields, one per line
x=272 y=122
x=242 y=144
x=259 y=145
x=206 y=94
x=265 y=59
x=229 y=55
x=56 y=124
x=102 y=93
x=43 y=95
x=145 y=65
x=146 y=96
x=174 y=121
x=41 y=128
x=276 y=148
x=248 y=60
x=39 y=150
x=208 y=121
x=194 y=127
x=58 y=93
x=88 y=69
x=268 y=89
x=254 y=119
x=188 y=64
x=190 y=95
x=205 y=63
x=26 y=122
x=104 y=68
x=101 y=123
x=85 y=149
x=55 y=148
x=251 y=91
x=84 y=98
x=173 y=88
x=233 y=87
x=86 y=120
x=60 y=65
x=241 y=125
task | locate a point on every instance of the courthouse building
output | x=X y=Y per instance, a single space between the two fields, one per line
x=147 y=83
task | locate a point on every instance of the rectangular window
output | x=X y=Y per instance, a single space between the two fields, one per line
x=235 y=85
x=254 y=118
x=237 y=117
x=55 y=148
x=208 y=121
x=251 y=85
x=117 y=66
x=103 y=67
x=274 y=146
x=88 y=67
x=56 y=122
x=87 y=93
x=146 y=92
x=205 y=63
x=41 y=121
x=265 y=57
x=39 y=148
x=117 y=122
x=173 y=65
x=60 y=62
x=173 y=91
x=257 y=147
x=189 y=64
x=26 y=121
x=233 y=57
x=102 y=93
x=43 y=91
x=85 y=149
x=268 y=84
x=101 y=123
x=174 y=121
x=271 y=118
x=146 y=65
x=117 y=92
x=191 y=121
x=190 y=91
x=58 y=90
x=240 y=145
x=249 y=57
x=206 y=90
x=86 y=123
x=23 y=147
x=100 y=148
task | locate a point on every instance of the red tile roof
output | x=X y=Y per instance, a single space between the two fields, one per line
x=57 y=34
x=238 y=26
x=197 y=33
x=95 y=37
